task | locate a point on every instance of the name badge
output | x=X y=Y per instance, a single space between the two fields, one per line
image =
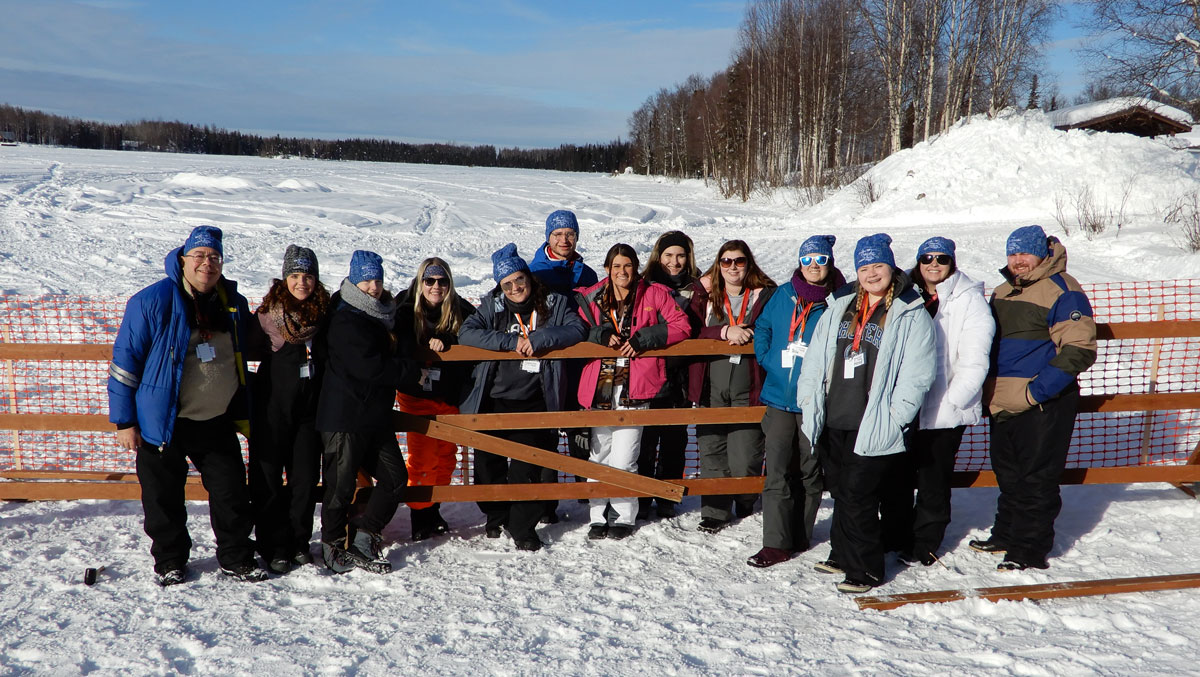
x=531 y=366
x=434 y=373
x=622 y=361
x=205 y=352
x=306 y=369
x=735 y=359
x=854 y=361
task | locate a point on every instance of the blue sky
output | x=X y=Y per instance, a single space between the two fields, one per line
x=510 y=72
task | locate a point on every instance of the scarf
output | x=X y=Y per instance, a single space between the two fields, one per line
x=289 y=325
x=382 y=309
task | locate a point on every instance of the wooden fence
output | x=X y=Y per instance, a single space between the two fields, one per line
x=471 y=430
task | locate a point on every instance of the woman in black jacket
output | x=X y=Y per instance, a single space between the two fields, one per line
x=363 y=370
x=519 y=315
x=672 y=263
x=430 y=313
x=286 y=386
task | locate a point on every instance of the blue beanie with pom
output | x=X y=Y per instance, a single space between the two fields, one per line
x=874 y=249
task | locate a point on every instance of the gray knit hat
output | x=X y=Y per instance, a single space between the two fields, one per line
x=299 y=259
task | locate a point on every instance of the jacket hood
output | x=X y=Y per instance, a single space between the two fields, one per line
x=1053 y=264
x=958 y=284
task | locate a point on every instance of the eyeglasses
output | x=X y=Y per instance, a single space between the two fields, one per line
x=739 y=262
x=513 y=285
x=820 y=260
x=439 y=281
x=943 y=259
x=214 y=259
x=564 y=235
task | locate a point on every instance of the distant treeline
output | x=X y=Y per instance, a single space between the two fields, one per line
x=36 y=127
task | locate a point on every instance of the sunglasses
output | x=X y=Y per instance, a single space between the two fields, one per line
x=943 y=259
x=820 y=260
x=514 y=284
x=739 y=262
x=439 y=281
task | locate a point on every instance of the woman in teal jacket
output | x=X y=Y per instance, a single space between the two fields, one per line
x=870 y=363
x=792 y=492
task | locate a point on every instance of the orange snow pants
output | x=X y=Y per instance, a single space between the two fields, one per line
x=429 y=461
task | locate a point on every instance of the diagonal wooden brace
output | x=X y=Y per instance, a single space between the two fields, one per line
x=540 y=457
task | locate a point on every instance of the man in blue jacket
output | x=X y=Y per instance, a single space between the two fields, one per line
x=558 y=265
x=177 y=391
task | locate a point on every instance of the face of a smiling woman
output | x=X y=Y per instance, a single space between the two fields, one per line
x=875 y=278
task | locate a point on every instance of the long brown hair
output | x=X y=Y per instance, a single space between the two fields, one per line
x=654 y=269
x=451 y=318
x=755 y=277
x=608 y=299
x=310 y=312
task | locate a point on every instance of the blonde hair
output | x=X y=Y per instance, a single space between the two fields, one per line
x=451 y=318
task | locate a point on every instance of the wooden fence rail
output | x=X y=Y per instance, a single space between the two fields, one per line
x=468 y=430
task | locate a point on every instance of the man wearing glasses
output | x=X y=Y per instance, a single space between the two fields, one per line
x=558 y=265
x=1045 y=338
x=177 y=391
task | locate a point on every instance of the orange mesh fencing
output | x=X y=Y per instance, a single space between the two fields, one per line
x=1110 y=439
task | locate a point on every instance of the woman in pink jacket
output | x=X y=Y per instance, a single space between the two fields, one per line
x=630 y=315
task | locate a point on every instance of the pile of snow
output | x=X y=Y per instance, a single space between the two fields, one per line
x=202 y=183
x=983 y=177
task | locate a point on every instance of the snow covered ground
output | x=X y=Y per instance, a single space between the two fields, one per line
x=667 y=601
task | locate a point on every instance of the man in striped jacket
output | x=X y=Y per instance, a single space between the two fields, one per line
x=1045 y=338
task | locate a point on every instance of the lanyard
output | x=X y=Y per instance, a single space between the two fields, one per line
x=308 y=349
x=742 y=315
x=801 y=321
x=532 y=324
x=862 y=324
x=616 y=323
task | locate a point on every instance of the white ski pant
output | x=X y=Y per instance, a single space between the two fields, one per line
x=616 y=448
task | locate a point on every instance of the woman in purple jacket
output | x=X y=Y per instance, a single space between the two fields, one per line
x=729 y=298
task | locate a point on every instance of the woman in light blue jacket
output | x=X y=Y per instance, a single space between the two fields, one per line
x=868 y=367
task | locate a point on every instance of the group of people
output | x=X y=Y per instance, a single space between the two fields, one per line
x=868 y=386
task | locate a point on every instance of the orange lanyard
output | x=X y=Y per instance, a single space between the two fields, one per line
x=862 y=324
x=742 y=315
x=799 y=322
x=532 y=324
x=616 y=323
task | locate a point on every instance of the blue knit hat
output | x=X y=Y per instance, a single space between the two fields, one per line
x=818 y=245
x=561 y=219
x=204 y=236
x=935 y=245
x=1028 y=240
x=506 y=261
x=365 y=265
x=874 y=249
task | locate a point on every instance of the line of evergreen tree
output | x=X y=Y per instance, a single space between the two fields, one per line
x=40 y=128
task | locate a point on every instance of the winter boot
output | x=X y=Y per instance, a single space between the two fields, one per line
x=440 y=526
x=422 y=523
x=366 y=552
x=335 y=558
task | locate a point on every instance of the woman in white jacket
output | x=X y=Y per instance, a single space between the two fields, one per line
x=964 y=339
